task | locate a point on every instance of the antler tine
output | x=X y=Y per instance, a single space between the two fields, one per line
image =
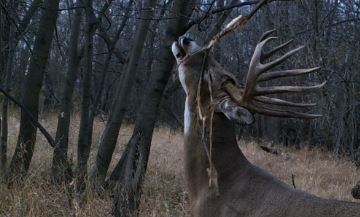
x=286 y=89
x=285 y=73
x=281 y=59
x=256 y=59
x=276 y=49
x=265 y=35
x=258 y=103
x=282 y=113
x=281 y=102
x=256 y=67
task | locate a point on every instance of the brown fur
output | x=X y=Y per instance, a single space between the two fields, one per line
x=245 y=190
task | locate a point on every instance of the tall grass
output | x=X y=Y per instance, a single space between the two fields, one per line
x=165 y=193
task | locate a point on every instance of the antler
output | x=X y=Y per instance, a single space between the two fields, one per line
x=254 y=97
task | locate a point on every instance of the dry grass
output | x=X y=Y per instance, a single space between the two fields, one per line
x=164 y=191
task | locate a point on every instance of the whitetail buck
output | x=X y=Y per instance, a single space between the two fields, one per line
x=239 y=188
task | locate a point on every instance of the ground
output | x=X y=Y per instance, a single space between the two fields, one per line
x=165 y=195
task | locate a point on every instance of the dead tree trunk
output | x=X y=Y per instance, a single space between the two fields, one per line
x=119 y=106
x=132 y=166
x=30 y=98
x=62 y=132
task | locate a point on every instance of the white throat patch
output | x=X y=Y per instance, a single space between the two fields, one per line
x=187 y=117
x=182 y=72
x=178 y=48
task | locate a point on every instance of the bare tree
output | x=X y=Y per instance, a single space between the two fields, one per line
x=62 y=132
x=84 y=141
x=97 y=171
x=6 y=64
x=12 y=34
x=111 y=50
x=30 y=98
x=131 y=169
x=120 y=103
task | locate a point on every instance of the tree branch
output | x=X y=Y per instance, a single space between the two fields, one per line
x=12 y=20
x=226 y=8
x=47 y=135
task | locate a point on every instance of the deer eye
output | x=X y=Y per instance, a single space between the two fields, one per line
x=187 y=41
x=178 y=55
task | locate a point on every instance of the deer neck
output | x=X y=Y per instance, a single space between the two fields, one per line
x=226 y=155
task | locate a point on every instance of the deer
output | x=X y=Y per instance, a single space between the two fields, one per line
x=221 y=181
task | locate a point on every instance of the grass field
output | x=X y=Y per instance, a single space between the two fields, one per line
x=165 y=194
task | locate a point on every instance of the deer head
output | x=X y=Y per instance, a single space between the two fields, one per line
x=190 y=58
x=236 y=101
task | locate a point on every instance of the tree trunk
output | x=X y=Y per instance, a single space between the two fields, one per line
x=134 y=161
x=84 y=141
x=119 y=106
x=4 y=114
x=4 y=58
x=27 y=136
x=98 y=95
x=62 y=132
x=4 y=42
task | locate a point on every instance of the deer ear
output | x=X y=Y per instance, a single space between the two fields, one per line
x=234 y=112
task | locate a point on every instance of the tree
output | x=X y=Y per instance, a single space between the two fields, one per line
x=111 y=50
x=10 y=37
x=5 y=57
x=120 y=103
x=131 y=168
x=84 y=141
x=30 y=98
x=62 y=132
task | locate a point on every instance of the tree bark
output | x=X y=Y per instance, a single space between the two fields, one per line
x=62 y=132
x=5 y=105
x=4 y=58
x=134 y=160
x=27 y=136
x=85 y=131
x=119 y=106
x=76 y=54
